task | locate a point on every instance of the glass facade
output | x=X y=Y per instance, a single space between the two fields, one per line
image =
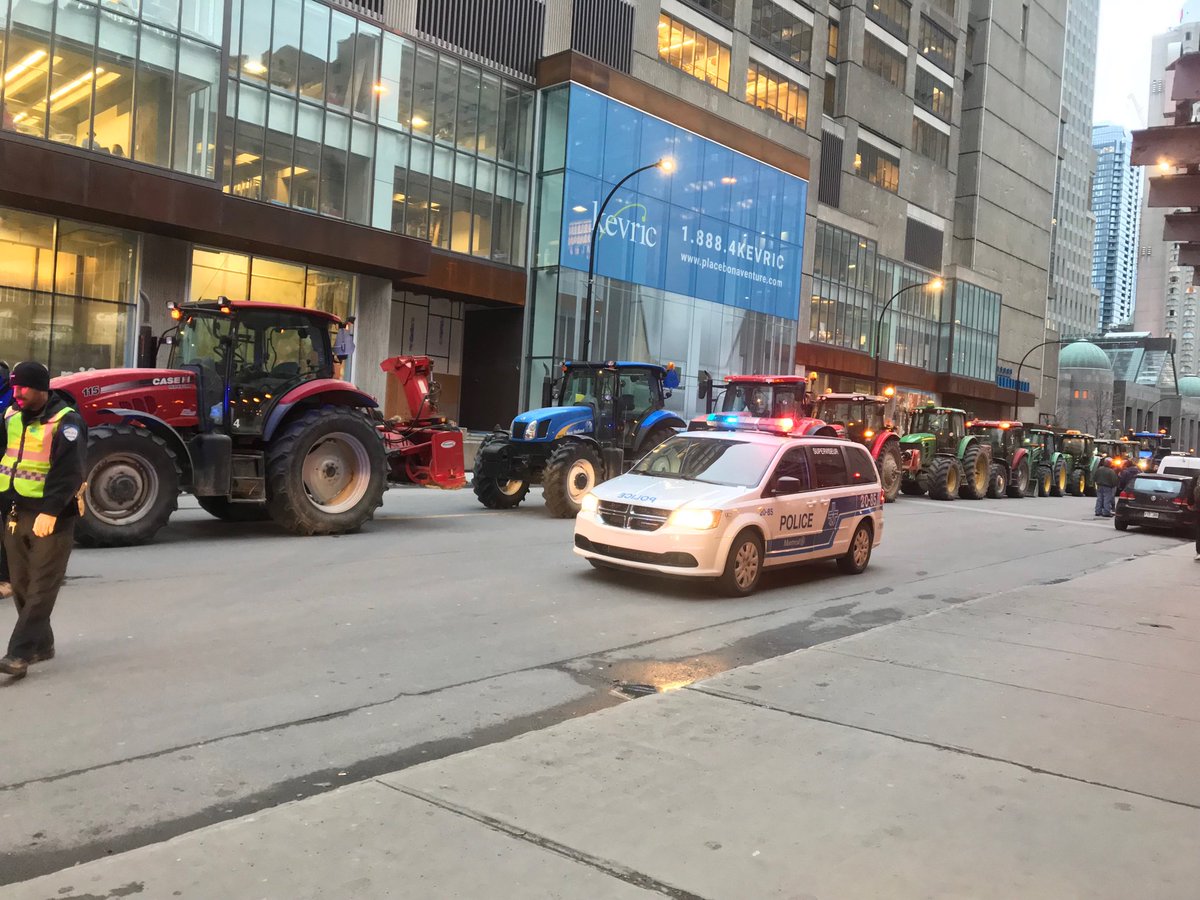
x=955 y=329
x=67 y=292
x=130 y=80
x=653 y=300
x=337 y=117
x=217 y=273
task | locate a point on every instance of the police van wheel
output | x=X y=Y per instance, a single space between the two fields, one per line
x=743 y=566
x=571 y=472
x=858 y=554
x=132 y=487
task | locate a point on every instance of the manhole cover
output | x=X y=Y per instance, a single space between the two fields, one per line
x=634 y=690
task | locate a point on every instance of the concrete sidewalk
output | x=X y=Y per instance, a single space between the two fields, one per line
x=1036 y=744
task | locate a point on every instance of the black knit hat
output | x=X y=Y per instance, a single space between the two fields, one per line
x=31 y=375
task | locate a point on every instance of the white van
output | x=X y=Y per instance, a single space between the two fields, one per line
x=1179 y=465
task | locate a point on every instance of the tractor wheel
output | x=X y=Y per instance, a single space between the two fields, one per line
x=571 y=472
x=976 y=466
x=498 y=493
x=1018 y=484
x=889 y=471
x=1045 y=478
x=326 y=472
x=997 y=488
x=132 y=487
x=943 y=478
x=234 y=510
x=911 y=487
x=656 y=437
x=1090 y=489
x=1077 y=485
x=743 y=566
x=1058 y=483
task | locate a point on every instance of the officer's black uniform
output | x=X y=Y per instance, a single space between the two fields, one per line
x=38 y=565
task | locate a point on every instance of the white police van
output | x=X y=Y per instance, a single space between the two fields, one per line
x=727 y=503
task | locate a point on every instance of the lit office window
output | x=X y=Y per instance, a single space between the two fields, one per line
x=696 y=54
x=937 y=46
x=772 y=92
x=884 y=61
x=877 y=166
x=781 y=32
x=835 y=33
x=934 y=95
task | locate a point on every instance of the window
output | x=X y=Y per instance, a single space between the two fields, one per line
x=829 y=467
x=696 y=54
x=830 y=102
x=945 y=6
x=793 y=465
x=933 y=94
x=775 y=94
x=930 y=142
x=885 y=62
x=877 y=166
x=780 y=31
x=216 y=273
x=859 y=466
x=937 y=45
x=718 y=9
x=1025 y=23
x=835 y=33
x=893 y=15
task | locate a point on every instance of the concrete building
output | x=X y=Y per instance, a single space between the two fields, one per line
x=1074 y=301
x=1166 y=299
x=435 y=168
x=1085 y=376
x=1117 y=204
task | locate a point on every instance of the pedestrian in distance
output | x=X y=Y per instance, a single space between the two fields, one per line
x=1106 y=482
x=1128 y=474
x=343 y=347
x=41 y=477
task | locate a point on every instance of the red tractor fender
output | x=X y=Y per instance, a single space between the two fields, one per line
x=1018 y=456
x=323 y=391
x=881 y=441
x=816 y=427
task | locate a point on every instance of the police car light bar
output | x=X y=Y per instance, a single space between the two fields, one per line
x=737 y=422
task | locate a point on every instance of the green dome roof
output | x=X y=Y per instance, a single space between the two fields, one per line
x=1189 y=386
x=1084 y=355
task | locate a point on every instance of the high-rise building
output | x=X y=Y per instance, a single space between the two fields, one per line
x=1166 y=300
x=1117 y=204
x=436 y=168
x=1074 y=302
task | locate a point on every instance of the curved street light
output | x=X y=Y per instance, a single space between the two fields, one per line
x=1024 y=359
x=666 y=165
x=935 y=284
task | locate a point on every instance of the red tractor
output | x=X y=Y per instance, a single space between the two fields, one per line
x=868 y=420
x=248 y=418
x=761 y=397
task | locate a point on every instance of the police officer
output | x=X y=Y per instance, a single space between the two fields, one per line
x=40 y=476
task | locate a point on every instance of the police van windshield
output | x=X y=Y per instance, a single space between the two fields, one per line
x=730 y=463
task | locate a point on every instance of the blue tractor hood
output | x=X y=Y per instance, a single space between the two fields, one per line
x=554 y=422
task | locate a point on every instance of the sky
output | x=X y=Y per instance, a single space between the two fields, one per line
x=1123 y=57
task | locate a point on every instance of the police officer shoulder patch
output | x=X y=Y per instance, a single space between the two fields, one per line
x=71 y=433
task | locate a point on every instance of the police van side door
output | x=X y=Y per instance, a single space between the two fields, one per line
x=829 y=482
x=853 y=493
x=788 y=509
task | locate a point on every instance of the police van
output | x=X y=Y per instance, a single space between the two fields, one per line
x=725 y=504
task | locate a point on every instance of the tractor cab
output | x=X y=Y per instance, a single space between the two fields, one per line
x=1005 y=437
x=1079 y=446
x=1152 y=446
x=775 y=397
x=1043 y=440
x=943 y=425
x=860 y=417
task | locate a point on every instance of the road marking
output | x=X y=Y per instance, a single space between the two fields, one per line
x=439 y=516
x=996 y=512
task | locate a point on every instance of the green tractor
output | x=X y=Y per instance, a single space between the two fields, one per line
x=941 y=459
x=1048 y=463
x=1082 y=462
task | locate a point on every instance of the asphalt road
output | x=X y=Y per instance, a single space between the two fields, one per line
x=227 y=669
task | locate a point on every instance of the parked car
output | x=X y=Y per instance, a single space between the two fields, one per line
x=1159 y=501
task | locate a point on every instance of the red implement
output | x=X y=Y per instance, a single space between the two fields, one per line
x=423 y=447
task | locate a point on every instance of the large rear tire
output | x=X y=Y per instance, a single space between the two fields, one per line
x=132 y=487
x=1018 y=482
x=498 y=493
x=890 y=474
x=571 y=472
x=1058 y=479
x=1045 y=478
x=326 y=472
x=998 y=483
x=943 y=478
x=976 y=468
x=1077 y=484
x=234 y=511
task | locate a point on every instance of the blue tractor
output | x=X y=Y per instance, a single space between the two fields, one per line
x=607 y=416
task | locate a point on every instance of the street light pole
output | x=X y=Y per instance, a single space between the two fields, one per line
x=667 y=165
x=1017 y=382
x=934 y=285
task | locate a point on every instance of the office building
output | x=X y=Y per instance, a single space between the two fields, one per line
x=1117 y=203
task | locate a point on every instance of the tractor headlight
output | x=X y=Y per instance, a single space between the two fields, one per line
x=695 y=519
x=531 y=431
x=589 y=504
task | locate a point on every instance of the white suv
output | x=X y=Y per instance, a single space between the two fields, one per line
x=1179 y=465
x=726 y=504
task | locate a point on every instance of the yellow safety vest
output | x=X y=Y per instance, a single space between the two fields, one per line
x=26 y=462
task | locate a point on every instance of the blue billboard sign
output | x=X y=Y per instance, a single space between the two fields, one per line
x=721 y=226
